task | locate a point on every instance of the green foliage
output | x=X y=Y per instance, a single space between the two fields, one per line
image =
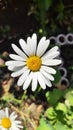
x=61 y=107
x=41 y=13
x=24 y=128
x=60 y=114
x=10 y=98
x=55 y=115
x=4 y=30
x=69 y=97
x=54 y=96
x=57 y=77
x=44 y=125
x=60 y=126
x=44 y=5
x=60 y=6
x=53 y=16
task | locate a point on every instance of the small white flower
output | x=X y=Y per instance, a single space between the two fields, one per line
x=9 y=122
x=33 y=63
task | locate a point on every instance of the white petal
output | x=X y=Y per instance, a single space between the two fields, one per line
x=3 y=129
x=51 y=62
x=23 y=77
x=14 y=68
x=19 y=72
x=41 y=81
x=7 y=112
x=15 y=63
x=48 y=69
x=16 y=57
x=56 y=48
x=34 y=43
x=28 y=81
x=19 y=126
x=24 y=46
x=0 y=127
x=12 y=114
x=47 y=82
x=34 y=81
x=51 y=55
x=13 y=117
x=10 y=68
x=18 y=51
x=17 y=122
x=10 y=128
x=29 y=41
x=47 y=75
x=42 y=46
x=2 y=114
x=14 y=127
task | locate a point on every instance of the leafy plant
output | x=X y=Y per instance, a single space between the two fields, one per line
x=60 y=114
x=44 y=125
x=69 y=97
x=54 y=96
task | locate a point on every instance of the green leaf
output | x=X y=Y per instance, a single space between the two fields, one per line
x=54 y=96
x=60 y=126
x=51 y=114
x=57 y=77
x=44 y=125
x=61 y=107
x=44 y=5
x=60 y=6
x=69 y=97
x=47 y=4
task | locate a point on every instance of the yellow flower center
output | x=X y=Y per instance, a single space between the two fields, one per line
x=34 y=63
x=6 y=123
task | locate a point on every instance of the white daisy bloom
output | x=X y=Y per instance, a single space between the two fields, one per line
x=9 y=122
x=33 y=63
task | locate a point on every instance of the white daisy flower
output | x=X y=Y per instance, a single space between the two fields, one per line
x=33 y=63
x=9 y=122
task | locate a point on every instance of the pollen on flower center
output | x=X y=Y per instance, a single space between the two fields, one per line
x=34 y=63
x=6 y=123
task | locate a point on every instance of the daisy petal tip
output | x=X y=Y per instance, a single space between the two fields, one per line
x=12 y=75
x=6 y=109
x=34 y=34
x=6 y=63
x=10 y=55
x=44 y=88
x=48 y=41
x=50 y=86
x=24 y=88
x=33 y=90
x=60 y=61
x=20 y=40
x=57 y=48
x=19 y=84
x=54 y=72
x=12 y=44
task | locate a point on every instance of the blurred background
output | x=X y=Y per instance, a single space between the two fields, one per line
x=23 y=17
x=18 y=19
